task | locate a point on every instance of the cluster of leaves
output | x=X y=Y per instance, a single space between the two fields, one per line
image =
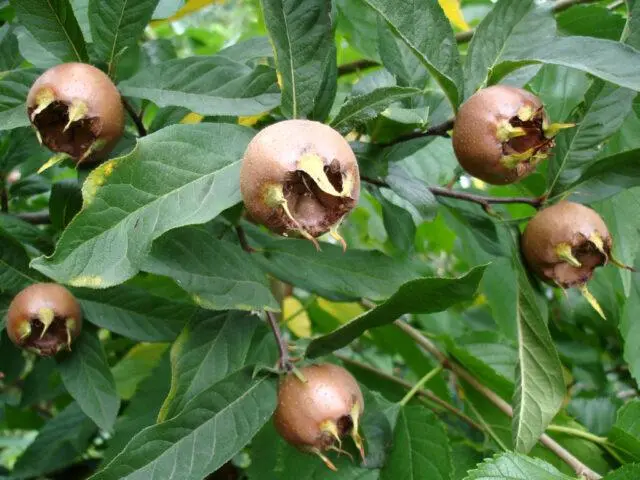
x=168 y=379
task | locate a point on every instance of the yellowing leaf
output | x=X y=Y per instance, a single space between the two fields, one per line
x=296 y=318
x=191 y=118
x=453 y=12
x=249 y=121
x=343 y=312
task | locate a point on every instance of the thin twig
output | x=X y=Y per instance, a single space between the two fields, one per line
x=439 y=130
x=242 y=238
x=284 y=362
x=35 y=218
x=137 y=120
x=356 y=66
x=482 y=200
x=562 y=453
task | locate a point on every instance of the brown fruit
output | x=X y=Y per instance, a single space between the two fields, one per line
x=44 y=318
x=316 y=414
x=76 y=109
x=299 y=176
x=501 y=133
x=564 y=244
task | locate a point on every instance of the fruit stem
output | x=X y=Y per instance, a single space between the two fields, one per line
x=420 y=385
x=137 y=120
x=242 y=238
x=285 y=362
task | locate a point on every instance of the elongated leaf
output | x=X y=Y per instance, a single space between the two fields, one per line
x=208 y=350
x=207 y=85
x=415 y=191
x=211 y=429
x=357 y=110
x=14 y=266
x=540 y=385
x=9 y=54
x=54 y=25
x=302 y=38
x=628 y=472
x=25 y=232
x=136 y=366
x=181 y=175
x=611 y=61
x=625 y=434
x=508 y=27
x=630 y=329
x=14 y=87
x=516 y=467
x=423 y=27
x=143 y=408
x=58 y=444
x=607 y=177
x=606 y=109
x=219 y=275
x=332 y=273
x=86 y=375
x=135 y=312
x=631 y=35
x=116 y=25
x=423 y=295
x=421 y=448
x=64 y=202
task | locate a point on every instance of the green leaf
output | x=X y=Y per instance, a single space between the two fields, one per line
x=628 y=472
x=65 y=202
x=218 y=274
x=18 y=146
x=630 y=328
x=399 y=226
x=423 y=295
x=181 y=175
x=58 y=444
x=605 y=109
x=14 y=266
x=611 y=61
x=136 y=366
x=302 y=37
x=499 y=285
x=14 y=87
x=33 y=51
x=11 y=359
x=331 y=273
x=135 y=312
x=9 y=54
x=561 y=90
x=209 y=349
x=53 y=24
x=423 y=27
x=117 y=25
x=631 y=35
x=212 y=428
x=207 y=85
x=512 y=466
x=413 y=190
x=607 y=177
x=81 y=11
x=26 y=233
x=143 y=408
x=420 y=447
x=87 y=377
x=540 y=388
x=399 y=60
x=591 y=21
x=362 y=108
x=625 y=434
x=510 y=26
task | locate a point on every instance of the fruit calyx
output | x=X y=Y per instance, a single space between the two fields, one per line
x=44 y=318
x=317 y=413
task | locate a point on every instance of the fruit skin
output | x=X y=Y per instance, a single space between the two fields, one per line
x=272 y=168
x=475 y=135
x=329 y=394
x=571 y=224
x=103 y=119
x=26 y=308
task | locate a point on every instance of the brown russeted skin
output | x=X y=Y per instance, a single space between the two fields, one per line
x=573 y=225
x=299 y=176
x=316 y=414
x=90 y=97
x=501 y=133
x=44 y=318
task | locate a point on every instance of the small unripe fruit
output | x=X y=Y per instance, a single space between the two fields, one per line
x=44 y=318
x=299 y=177
x=501 y=133
x=317 y=413
x=564 y=244
x=76 y=109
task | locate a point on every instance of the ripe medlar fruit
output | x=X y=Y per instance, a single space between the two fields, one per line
x=76 y=109
x=44 y=318
x=563 y=244
x=501 y=133
x=317 y=413
x=300 y=176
